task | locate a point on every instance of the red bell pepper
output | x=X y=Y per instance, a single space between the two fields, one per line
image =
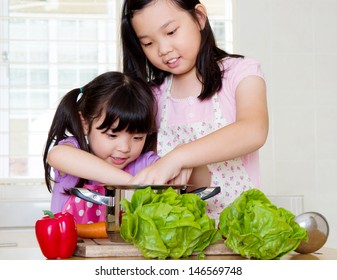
x=56 y=235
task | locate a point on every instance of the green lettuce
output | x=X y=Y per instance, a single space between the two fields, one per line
x=167 y=225
x=256 y=228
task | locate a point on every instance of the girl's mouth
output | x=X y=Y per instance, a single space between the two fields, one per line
x=118 y=160
x=173 y=62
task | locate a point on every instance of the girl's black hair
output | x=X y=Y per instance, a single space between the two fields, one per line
x=119 y=96
x=207 y=63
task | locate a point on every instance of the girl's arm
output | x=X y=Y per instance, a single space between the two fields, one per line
x=242 y=137
x=70 y=160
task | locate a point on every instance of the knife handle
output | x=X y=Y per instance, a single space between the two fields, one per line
x=92 y=196
x=204 y=194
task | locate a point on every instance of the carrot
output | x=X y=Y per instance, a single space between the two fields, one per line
x=93 y=230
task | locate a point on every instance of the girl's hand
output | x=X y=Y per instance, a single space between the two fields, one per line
x=182 y=178
x=161 y=172
x=171 y=169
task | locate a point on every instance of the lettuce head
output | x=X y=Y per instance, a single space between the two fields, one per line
x=167 y=225
x=255 y=228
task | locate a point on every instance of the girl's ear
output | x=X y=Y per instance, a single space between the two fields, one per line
x=201 y=13
x=85 y=125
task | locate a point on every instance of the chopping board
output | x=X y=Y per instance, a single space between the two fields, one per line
x=95 y=248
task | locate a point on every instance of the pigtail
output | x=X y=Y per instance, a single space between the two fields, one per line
x=66 y=122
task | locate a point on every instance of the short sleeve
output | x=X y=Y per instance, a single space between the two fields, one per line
x=236 y=69
x=71 y=140
x=67 y=181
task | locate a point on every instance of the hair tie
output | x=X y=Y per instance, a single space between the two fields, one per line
x=80 y=95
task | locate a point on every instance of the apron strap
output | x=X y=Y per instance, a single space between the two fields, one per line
x=164 y=114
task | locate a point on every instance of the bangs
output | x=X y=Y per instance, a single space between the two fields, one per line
x=132 y=114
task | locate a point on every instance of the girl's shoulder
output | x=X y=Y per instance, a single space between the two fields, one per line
x=235 y=69
x=70 y=140
x=241 y=65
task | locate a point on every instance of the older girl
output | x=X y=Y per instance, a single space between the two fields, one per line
x=212 y=108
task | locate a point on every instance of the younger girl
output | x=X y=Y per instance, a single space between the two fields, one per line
x=102 y=133
x=212 y=108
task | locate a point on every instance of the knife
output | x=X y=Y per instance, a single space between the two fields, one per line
x=97 y=198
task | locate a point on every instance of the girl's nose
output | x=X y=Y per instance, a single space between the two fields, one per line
x=124 y=146
x=164 y=49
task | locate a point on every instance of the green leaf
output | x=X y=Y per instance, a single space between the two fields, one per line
x=256 y=228
x=167 y=225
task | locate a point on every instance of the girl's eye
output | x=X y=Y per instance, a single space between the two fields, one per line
x=147 y=44
x=111 y=135
x=139 y=137
x=172 y=32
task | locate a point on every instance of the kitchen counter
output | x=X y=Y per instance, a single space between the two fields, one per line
x=12 y=253
x=25 y=247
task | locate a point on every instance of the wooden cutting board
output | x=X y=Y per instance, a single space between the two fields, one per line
x=95 y=248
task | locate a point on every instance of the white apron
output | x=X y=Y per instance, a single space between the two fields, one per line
x=230 y=175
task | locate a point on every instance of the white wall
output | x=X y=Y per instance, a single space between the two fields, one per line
x=296 y=43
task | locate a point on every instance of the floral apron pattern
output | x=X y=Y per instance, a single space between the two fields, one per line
x=230 y=175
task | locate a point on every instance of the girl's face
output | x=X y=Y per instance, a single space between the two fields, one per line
x=170 y=37
x=116 y=148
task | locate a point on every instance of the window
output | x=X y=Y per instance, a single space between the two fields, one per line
x=49 y=47
x=220 y=16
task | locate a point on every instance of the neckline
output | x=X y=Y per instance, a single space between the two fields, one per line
x=182 y=100
x=174 y=99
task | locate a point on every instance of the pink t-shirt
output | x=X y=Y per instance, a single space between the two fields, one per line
x=192 y=110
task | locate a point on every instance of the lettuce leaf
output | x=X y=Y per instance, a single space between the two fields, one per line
x=167 y=225
x=256 y=228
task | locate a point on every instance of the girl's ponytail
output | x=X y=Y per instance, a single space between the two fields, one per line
x=66 y=122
